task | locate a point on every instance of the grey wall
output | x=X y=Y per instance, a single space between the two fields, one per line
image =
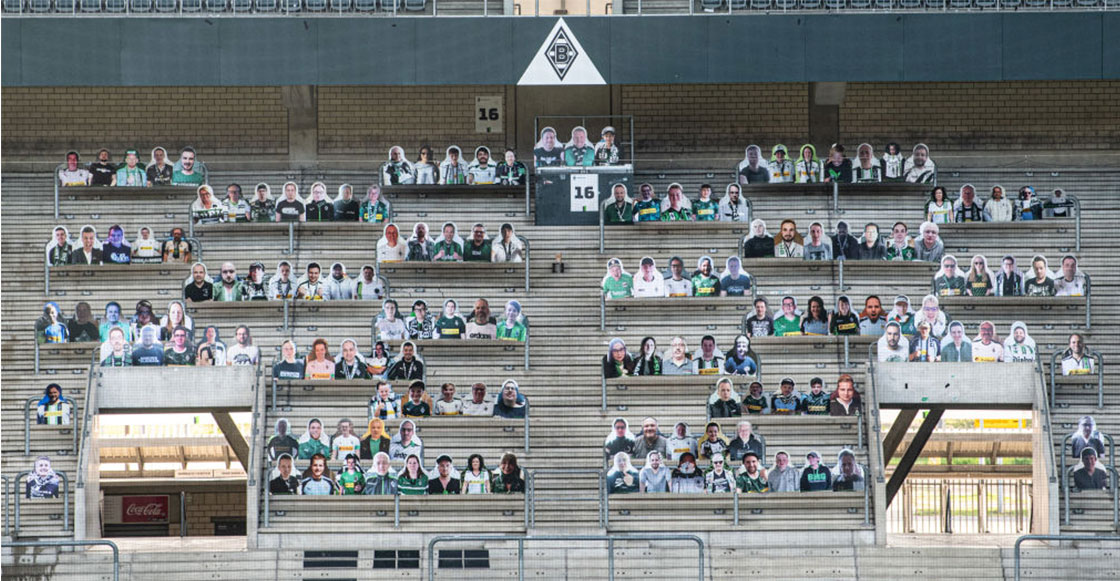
x=648 y=49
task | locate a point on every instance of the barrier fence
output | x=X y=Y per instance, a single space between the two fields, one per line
x=64 y=543
x=963 y=506
x=577 y=567
x=1059 y=560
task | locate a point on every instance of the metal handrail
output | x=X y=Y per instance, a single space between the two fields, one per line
x=1065 y=441
x=531 y=491
x=1088 y=300
x=1044 y=411
x=66 y=543
x=525 y=241
x=1099 y=373
x=521 y=540
x=7 y=505
x=608 y=201
x=65 y=499
x=87 y=419
x=1065 y=488
x=1020 y=540
x=74 y=408
x=57 y=184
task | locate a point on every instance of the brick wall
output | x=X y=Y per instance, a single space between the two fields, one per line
x=204 y=506
x=369 y=120
x=716 y=118
x=48 y=121
x=984 y=116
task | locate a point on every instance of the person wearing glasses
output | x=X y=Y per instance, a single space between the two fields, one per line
x=980 y=281
x=180 y=352
x=948 y=282
x=718 y=480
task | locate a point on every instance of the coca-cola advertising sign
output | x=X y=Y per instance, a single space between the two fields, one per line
x=145 y=509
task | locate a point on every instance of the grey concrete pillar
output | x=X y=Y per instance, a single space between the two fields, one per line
x=824 y=115
x=303 y=125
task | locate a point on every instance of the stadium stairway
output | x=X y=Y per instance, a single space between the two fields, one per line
x=563 y=382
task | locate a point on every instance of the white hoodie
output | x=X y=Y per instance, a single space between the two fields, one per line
x=338 y=290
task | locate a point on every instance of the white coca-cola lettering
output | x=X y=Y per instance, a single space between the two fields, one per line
x=150 y=509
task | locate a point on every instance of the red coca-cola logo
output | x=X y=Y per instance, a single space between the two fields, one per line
x=145 y=509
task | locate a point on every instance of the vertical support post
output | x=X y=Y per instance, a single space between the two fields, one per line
x=836 y=196
x=292 y=229
x=610 y=558
x=521 y=558
x=736 y=523
x=182 y=514
x=397 y=510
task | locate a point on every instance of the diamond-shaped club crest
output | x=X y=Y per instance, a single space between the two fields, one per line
x=561 y=53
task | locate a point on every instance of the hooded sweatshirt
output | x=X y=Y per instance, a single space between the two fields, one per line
x=368 y=290
x=1001 y=210
x=515 y=410
x=783 y=480
x=817 y=479
x=338 y=288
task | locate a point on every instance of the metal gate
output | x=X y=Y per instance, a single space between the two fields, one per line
x=965 y=506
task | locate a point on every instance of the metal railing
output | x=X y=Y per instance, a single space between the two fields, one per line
x=74 y=408
x=7 y=505
x=1068 y=538
x=396 y=9
x=87 y=420
x=609 y=201
x=1109 y=469
x=65 y=499
x=531 y=499
x=972 y=506
x=436 y=188
x=521 y=540
x=196 y=250
x=620 y=304
x=1065 y=443
x=1099 y=373
x=65 y=543
x=512 y=344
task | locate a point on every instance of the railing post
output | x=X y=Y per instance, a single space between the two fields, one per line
x=736 y=507
x=526 y=429
x=1077 y=218
x=521 y=559
x=602 y=311
x=68 y=543
x=292 y=229
x=55 y=178
x=610 y=558
x=603 y=379
x=46 y=282
x=27 y=425
x=397 y=510
x=265 y=489
x=182 y=514
x=836 y=196
x=602 y=231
